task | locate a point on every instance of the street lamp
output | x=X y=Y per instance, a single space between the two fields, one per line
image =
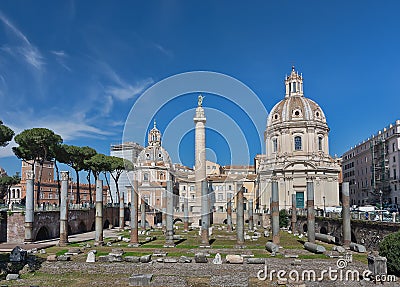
x=324 y=206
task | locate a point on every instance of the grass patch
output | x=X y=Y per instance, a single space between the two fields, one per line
x=61 y=252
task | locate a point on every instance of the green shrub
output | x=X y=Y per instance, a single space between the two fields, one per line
x=390 y=248
x=283 y=218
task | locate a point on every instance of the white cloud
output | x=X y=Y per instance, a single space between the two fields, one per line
x=124 y=91
x=61 y=57
x=28 y=51
x=72 y=127
x=163 y=50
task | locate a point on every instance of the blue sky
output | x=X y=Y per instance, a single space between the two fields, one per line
x=78 y=67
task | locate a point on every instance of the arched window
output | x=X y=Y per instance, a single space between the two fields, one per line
x=320 y=139
x=274 y=144
x=297 y=143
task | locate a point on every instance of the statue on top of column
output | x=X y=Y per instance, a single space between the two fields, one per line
x=200 y=101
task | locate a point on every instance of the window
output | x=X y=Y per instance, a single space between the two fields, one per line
x=319 y=143
x=229 y=187
x=220 y=196
x=275 y=145
x=393 y=146
x=145 y=177
x=394 y=159
x=297 y=143
x=394 y=173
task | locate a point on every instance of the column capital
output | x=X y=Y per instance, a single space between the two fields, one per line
x=65 y=175
x=29 y=175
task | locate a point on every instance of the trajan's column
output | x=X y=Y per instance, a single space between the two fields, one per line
x=200 y=151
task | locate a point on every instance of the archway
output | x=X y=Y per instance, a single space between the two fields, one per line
x=353 y=237
x=323 y=230
x=81 y=227
x=106 y=224
x=177 y=220
x=42 y=234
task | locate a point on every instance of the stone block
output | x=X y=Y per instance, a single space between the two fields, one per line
x=255 y=260
x=272 y=247
x=200 y=258
x=357 y=247
x=145 y=258
x=339 y=249
x=160 y=254
x=91 y=257
x=74 y=251
x=18 y=254
x=170 y=260
x=217 y=259
x=377 y=265
x=314 y=248
x=52 y=258
x=12 y=277
x=185 y=259
x=234 y=259
x=140 y=279
x=64 y=258
x=133 y=259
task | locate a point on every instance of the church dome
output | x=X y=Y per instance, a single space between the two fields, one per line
x=154 y=154
x=295 y=107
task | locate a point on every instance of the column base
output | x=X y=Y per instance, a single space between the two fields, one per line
x=239 y=246
x=99 y=243
x=133 y=245
x=169 y=245
x=63 y=244
x=204 y=246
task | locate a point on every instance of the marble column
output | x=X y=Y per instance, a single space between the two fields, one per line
x=134 y=214
x=121 y=210
x=29 y=201
x=294 y=214
x=64 y=209
x=169 y=236
x=275 y=213
x=346 y=215
x=205 y=220
x=240 y=216
x=99 y=213
x=200 y=150
x=310 y=212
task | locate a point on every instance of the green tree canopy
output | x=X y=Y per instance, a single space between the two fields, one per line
x=75 y=157
x=37 y=145
x=98 y=163
x=6 y=134
x=5 y=184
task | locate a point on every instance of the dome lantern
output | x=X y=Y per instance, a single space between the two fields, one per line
x=294 y=84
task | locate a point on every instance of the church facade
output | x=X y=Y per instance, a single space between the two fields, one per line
x=297 y=151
